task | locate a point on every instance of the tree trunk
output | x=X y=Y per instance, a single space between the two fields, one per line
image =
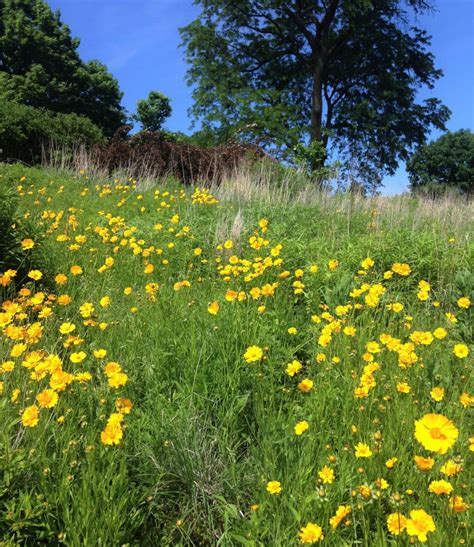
x=317 y=109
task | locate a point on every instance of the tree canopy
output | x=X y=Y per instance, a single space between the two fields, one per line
x=153 y=111
x=447 y=162
x=40 y=66
x=345 y=73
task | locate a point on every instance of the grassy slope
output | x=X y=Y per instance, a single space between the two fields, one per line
x=208 y=430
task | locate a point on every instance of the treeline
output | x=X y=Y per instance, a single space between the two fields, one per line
x=328 y=87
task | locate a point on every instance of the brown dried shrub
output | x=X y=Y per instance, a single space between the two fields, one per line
x=160 y=155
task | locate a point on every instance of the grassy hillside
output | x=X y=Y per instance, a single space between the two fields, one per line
x=246 y=366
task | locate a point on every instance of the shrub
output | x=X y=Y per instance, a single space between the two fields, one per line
x=159 y=154
x=25 y=132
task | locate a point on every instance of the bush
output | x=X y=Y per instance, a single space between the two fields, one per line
x=25 y=132
x=160 y=154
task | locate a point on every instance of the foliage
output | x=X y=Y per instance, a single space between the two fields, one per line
x=153 y=111
x=27 y=132
x=342 y=73
x=447 y=162
x=40 y=66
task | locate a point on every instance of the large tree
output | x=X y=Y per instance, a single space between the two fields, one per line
x=447 y=162
x=344 y=73
x=40 y=66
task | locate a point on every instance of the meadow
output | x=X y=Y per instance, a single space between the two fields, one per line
x=239 y=365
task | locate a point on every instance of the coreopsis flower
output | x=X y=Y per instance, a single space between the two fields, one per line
x=123 y=406
x=390 y=464
x=440 y=487
x=461 y=351
x=67 y=328
x=30 y=416
x=341 y=513
x=301 y=427
x=362 y=450
x=213 y=308
x=420 y=524
x=104 y=301
x=451 y=468
x=403 y=387
x=466 y=400
x=436 y=433
x=36 y=275
x=253 y=354
x=76 y=270
x=27 y=244
x=326 y=475
x=463 y=302
x=437 y=394
x=60 y=279
x=100 y=353
x=77 y=357
x=396 y=523
x=112 y=434
x=457 y=504
x=48 y=398
x=423 y=464
x=401 y=269
x=293 y=368
x=306 y=385
x=274 y=488
x=333 y=264
x=311 y=533
x=440 y=333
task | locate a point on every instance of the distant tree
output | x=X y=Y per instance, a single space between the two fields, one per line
x=345 y=73
x=153 y=111
x=40 y=66
x=447 y=162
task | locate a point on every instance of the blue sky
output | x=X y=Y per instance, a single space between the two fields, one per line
x=138 y=40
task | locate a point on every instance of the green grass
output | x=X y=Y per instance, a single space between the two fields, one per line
x=208 y=430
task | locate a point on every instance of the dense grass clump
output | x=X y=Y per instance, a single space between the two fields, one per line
x=234 y=366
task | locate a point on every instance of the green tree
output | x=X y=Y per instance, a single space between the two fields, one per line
x=447 y=162
x=40 y=66
x=345 y=73
x=153 y=111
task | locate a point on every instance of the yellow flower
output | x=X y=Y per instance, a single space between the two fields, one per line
x=333 y=264
x=420 y=524
x=36 y=275
x=457 y=504
x=30 y=416
x=104 y=301
x=463 y=302
x=437 y=394
x=67 y=328
x=112 y=434
x=440 y=487
x=124 y=406
x=311 y=533
x=461 y=351
x=76 y=270
x=274 y=488
x=301 y=427
x=403 y=387
x=27 y=244
x=401 y=269
x=213 y=308
x=292 y=330
x=389 y=464
x=362 y=450
x=253 y=353
x=451 y=468
x=396 y=523
x=293 y=368
x=341 y=512
x=117 y=380
x=100 y=353
x=77 y=357
x=440 y=333
x=436 y=433
x=47 y=398
x=466 y=400
x=326 y=475
x=306 y=385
